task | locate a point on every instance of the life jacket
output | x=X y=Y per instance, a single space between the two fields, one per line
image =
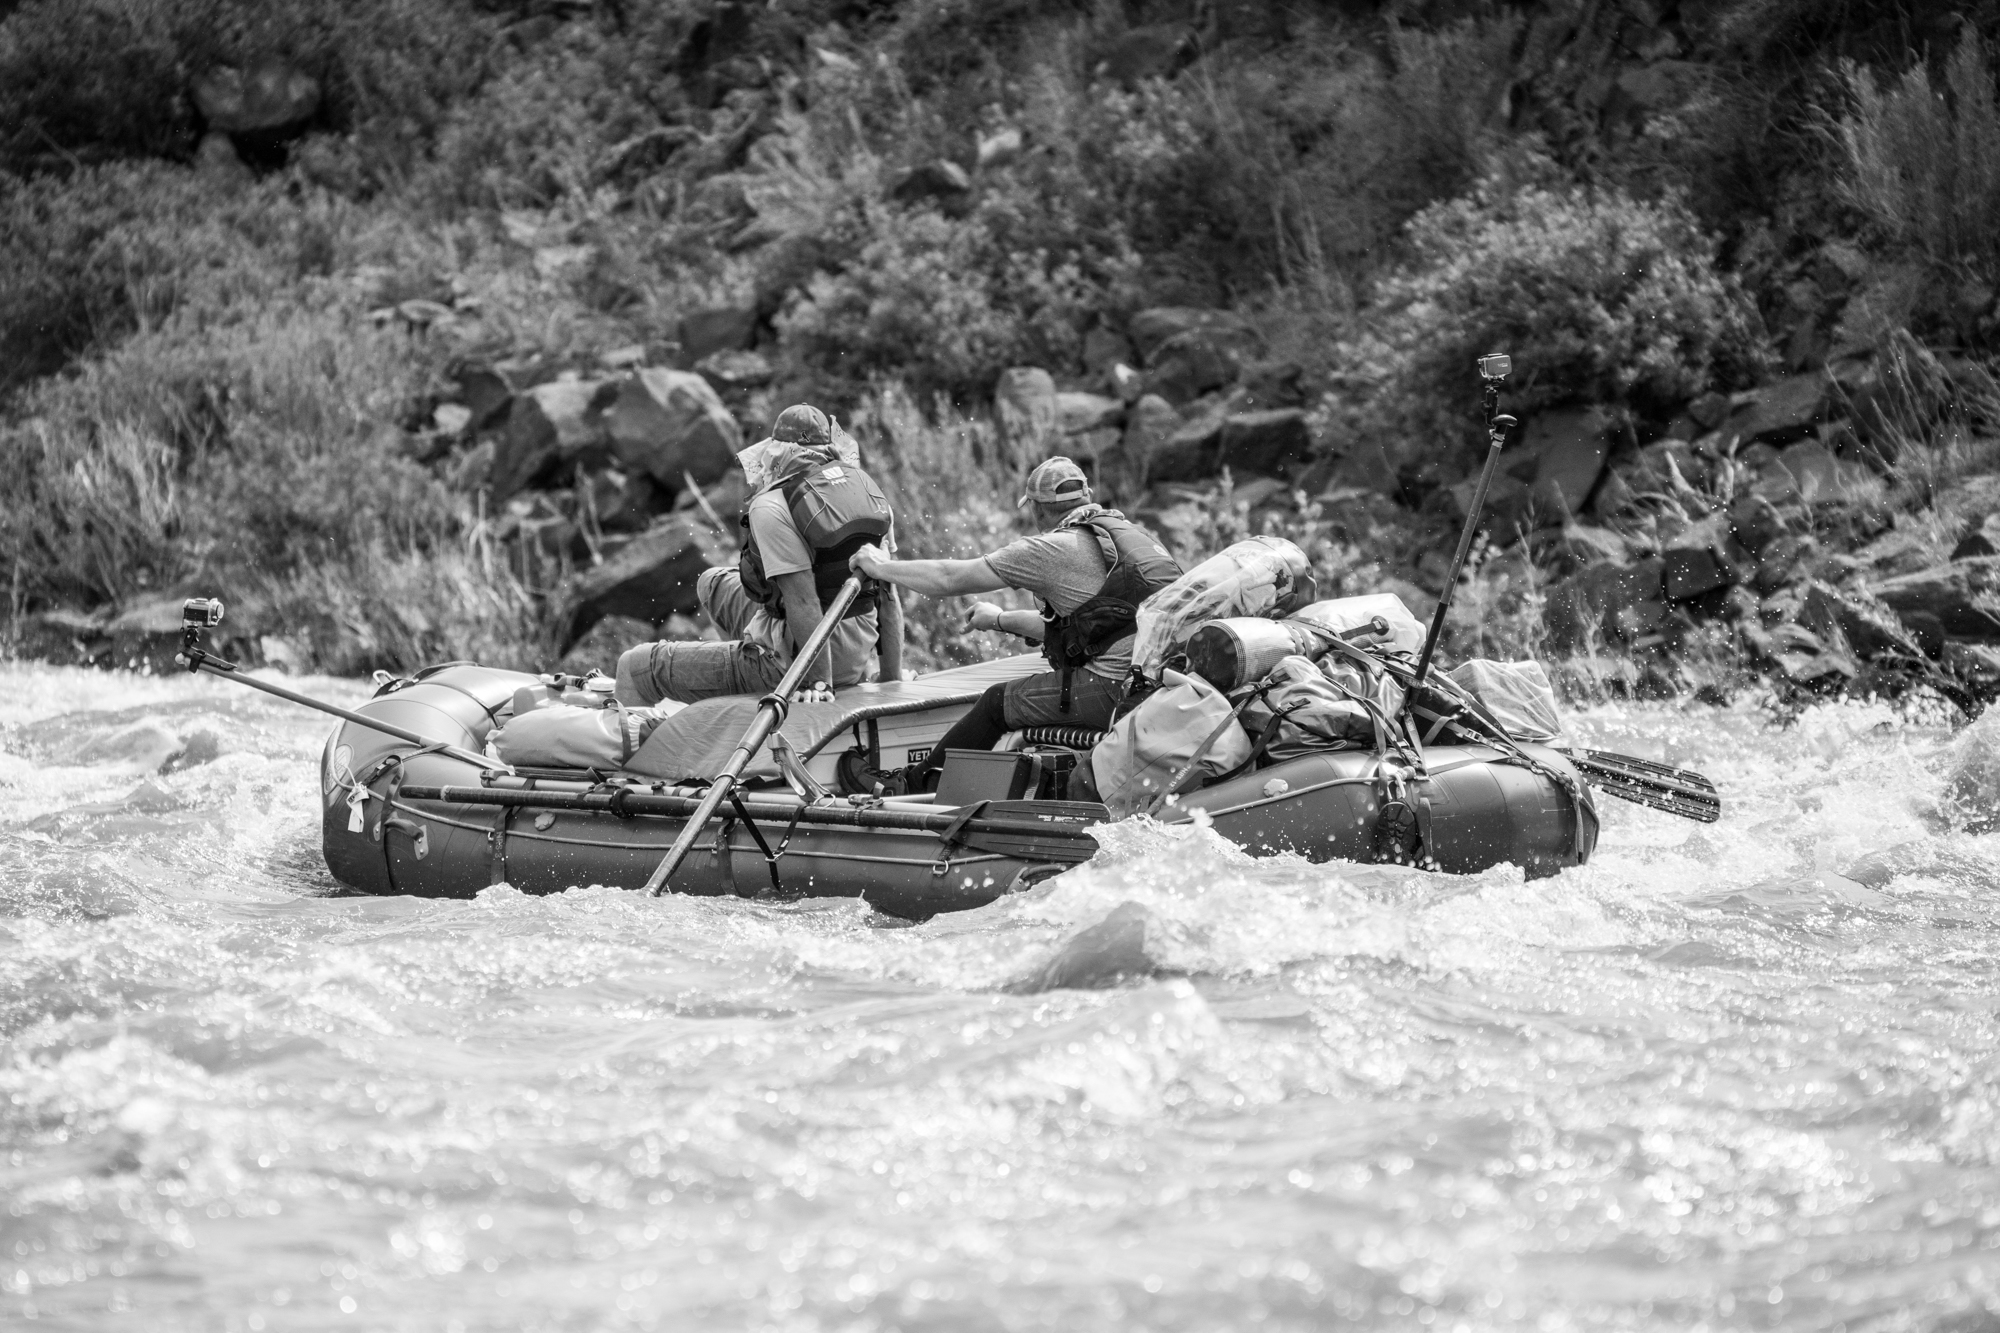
x=837 y=509
x=1138 y=567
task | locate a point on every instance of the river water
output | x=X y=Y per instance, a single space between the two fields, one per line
x=1737 y=1076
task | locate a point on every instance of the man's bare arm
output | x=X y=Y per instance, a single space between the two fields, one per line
x=802 y=616
x=933 y=578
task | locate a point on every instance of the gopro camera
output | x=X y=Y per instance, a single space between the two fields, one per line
x=201 y=613
x=1496 y=365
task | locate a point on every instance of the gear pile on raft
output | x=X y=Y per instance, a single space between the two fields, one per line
x=791 y=758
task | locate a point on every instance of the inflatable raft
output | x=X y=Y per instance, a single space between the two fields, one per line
x=406 y=819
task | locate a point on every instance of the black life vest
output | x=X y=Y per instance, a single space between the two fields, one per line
x=837 y=509
x=1138 y=567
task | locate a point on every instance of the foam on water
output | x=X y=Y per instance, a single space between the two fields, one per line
x=1736 y=1076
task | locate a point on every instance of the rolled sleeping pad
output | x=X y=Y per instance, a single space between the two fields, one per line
x=1240 y=649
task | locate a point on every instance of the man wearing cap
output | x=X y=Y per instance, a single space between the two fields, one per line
x=1090 y=567
x=770 y=602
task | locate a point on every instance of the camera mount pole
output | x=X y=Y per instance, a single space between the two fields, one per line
x=200 y=613
x=1493 y=369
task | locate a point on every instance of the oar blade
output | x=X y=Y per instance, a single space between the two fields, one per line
x=1677 y=791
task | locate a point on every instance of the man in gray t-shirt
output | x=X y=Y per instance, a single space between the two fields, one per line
x=1088 y=618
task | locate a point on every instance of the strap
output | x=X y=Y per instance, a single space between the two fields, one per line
x=757 y=836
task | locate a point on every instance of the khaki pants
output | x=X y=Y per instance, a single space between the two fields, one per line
x=700 y=669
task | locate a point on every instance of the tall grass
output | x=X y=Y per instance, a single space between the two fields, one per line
x=1923 y=158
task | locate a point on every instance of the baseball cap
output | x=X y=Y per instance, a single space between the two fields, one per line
x=1055 y=480
x=802 y=423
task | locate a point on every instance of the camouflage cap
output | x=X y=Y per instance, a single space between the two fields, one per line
x=802 y=423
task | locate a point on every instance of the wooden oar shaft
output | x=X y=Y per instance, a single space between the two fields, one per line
x=770 y=709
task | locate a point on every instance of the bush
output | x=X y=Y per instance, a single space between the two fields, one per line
x=1599 y=297
x=1923 y=160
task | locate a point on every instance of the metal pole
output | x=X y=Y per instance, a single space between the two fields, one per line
x=771 y=711
x=1496 y=435
x=229 y=671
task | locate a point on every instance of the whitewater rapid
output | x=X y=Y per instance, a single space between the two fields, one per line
x=1744 y=1075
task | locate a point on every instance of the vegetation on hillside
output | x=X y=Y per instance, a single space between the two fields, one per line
x=201 y=385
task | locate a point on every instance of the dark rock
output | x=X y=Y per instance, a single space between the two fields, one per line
x=1755 y=523
x=1268 y=385
x=1870 y=629
x=666 y=423
x=1608 y=600
x=1614 y=497
x=1570 y=448
x=1784 y=410
x=1104 y=348
x=1189 y=451
x=1156 y=51
x=619 y=501
x=1152 y=328
x=1963 y=596
x=1982 y=539
x=650 y=579
x=548 y=426
x=1273 y=443
x=727 y=328
x=942 y=180
x=485 y=391
x=1710 y=410
x=1701 y=559
x=1190 y=364
x=269 y=96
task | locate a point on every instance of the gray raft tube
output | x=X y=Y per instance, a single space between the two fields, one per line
x=1323 y=807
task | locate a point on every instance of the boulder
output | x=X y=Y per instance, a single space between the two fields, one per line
x=217 y=162
x=1190 y=364
x=1269 y=385
x=1272 y=443
x=1806 y=472
x=1079 y=412
x=735 y=371
x=1579 y=546
x=1091 y=446
x=620 y=501
x=1980 y=539
x=1151 y=328
x=942 y=180
x=1867 y=627
x=1103 y=349
x=1755 y=523
x=722 y=328
x=1701 y=560
x=549 y=425
x=1570 y=447
x=1609 y=600
x=1123 y=471
x=1963 y=596
x=1025 y=400
x=1784 y=410
x=1710 y=410
x=666 y=423
x=267 y=97
x=650 y=579
x=1190 y=449
x=1156 y=51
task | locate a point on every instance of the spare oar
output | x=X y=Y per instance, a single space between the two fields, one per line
x=771 y=710
x=200 y=613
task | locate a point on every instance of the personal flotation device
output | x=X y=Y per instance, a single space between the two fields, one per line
x=1138 y=567
x=837 y=509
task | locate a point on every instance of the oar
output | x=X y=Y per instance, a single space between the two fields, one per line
x=1643 y=782
x=771 y=710
x=200 y=613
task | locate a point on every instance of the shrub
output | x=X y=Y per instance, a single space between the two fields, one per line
x=1923 y=159
x=1599 y=297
